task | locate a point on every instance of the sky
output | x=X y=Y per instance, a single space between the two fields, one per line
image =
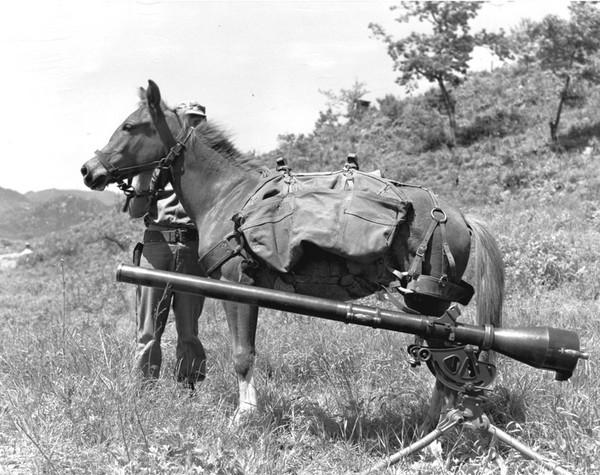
x=71 y=69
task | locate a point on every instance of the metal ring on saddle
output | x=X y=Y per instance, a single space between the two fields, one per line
x=443 y=219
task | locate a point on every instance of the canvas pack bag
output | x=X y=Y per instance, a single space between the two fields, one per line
x=348 y=213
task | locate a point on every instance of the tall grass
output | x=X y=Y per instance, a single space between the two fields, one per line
x=333 y=398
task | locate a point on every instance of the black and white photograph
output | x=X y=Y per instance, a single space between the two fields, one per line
x=302 y=237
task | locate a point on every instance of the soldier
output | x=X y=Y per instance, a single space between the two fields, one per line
x=192 y=113
x=170 y=243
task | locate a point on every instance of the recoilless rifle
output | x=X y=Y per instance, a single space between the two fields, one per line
x=452 y=354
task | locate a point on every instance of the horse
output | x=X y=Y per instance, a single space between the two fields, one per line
x=425 y=256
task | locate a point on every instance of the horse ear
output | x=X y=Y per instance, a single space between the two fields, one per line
x=142 y=94
x=157 y=114
x=153 y=94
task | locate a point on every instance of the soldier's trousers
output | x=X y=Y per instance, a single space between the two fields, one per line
x=153 y=311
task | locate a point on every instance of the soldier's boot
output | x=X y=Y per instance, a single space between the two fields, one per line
x=191 y=360
x=149 y=359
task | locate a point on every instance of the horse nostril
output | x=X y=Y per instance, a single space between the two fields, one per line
x=84 y=170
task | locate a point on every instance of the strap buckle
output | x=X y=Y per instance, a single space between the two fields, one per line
x=441 y=219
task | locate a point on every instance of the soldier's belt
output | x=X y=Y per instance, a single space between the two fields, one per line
x=171 y=236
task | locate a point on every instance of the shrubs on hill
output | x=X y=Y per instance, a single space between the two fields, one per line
x=498 y=122
x=95 y=239
x=503 y=144
x=41 y=218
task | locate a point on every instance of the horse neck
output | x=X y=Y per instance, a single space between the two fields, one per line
x=212 y=187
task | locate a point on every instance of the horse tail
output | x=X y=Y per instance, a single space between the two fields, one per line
x=489 y=274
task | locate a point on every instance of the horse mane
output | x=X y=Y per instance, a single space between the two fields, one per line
x=214 y=137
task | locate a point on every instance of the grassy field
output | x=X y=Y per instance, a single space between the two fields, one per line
x=333 y=398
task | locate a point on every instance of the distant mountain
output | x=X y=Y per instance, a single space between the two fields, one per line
x=12 y=200
x=33 y=214
x=109 y=198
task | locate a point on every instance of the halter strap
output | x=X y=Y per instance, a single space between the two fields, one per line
x=161 y=166
x=116 y=173
x=160 y=122
x=174 y=146
x=176 y=149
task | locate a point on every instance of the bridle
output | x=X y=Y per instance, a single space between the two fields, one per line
x=175 y=147
x=116 y=174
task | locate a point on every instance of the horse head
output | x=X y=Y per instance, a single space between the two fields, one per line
x=137 y=145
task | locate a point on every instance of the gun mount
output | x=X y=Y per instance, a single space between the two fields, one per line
x=541 y=347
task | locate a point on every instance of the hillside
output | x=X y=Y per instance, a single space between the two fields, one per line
x=26 y=216
x=503 y=148
x=13 y=200
x=107 y=197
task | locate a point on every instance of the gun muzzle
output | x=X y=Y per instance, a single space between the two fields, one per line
x=541 y=347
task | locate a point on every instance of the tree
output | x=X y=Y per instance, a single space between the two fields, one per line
x=326 y=119
x=441 y=56
x=390 y=107
x=350 y=100
x=567 y=48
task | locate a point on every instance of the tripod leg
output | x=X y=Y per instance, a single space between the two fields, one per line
x=528 y=452
x=452 y=419
x=495 y=457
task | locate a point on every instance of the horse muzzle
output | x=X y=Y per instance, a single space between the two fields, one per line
x=95 y=175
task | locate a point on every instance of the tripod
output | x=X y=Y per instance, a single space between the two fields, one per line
x=459 y=368
x=470 y=415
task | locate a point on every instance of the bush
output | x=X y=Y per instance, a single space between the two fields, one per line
x=423 y=127
x=547 y=261
x=496 y=123
x=513 y=179
x=390 y=107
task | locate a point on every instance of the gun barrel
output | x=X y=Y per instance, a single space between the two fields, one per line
x=541 y=347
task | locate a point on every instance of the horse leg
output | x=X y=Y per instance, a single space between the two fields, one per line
x=242 y=319
x=191 y=357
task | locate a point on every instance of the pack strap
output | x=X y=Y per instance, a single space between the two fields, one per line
x=439 y=219
x=442 y=289
x=226 y=249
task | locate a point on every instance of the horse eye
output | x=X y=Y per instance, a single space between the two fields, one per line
x=127 y=127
